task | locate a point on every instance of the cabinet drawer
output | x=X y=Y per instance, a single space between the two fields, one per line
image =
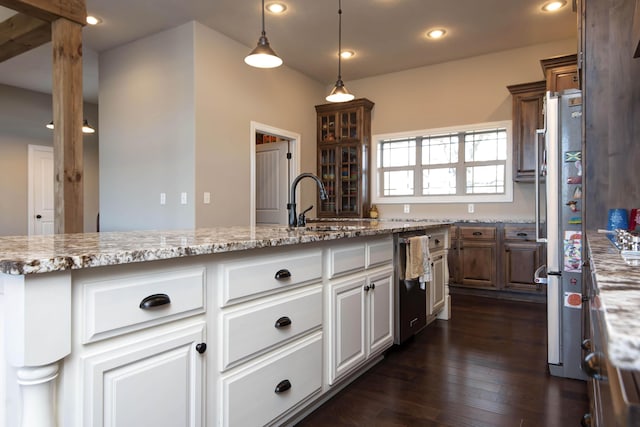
x=519 y=233
x=257 y=327
x=249 y=397
x=246 y=279
x=379 y=252
x=478 y=233
x=114 y=306
x=438 y=241
x=347 y=258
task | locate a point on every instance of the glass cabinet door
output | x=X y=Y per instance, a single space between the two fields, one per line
x=327 y=127
x=349 y=122
x=328 y=170
x=349 y=179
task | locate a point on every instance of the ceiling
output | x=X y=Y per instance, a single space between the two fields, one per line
x=387 y=35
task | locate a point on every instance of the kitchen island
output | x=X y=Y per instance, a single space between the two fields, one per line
x=612 y=346
x=219 y=326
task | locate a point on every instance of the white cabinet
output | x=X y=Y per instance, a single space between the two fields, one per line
x=360 y=320
x=156 y=382
x=270 y=337
x=437 y=292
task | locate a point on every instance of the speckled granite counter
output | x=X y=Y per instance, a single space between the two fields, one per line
x=619 y=293
x=43 y=254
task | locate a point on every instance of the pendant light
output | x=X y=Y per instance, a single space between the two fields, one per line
x=86 y=127
x=263 y=56
x=339 y=92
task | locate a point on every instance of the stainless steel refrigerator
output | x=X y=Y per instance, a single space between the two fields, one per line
x=559 y=204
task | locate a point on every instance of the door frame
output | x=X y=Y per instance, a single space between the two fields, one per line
x=31 y=149
x=294 y=149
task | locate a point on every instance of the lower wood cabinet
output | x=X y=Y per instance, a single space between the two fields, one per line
x=361 y=320
x=495 y=257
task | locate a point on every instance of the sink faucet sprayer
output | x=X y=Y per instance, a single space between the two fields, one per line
x=291 y=207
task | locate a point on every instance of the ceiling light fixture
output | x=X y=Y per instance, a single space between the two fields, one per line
x=339 y=92
x=276 y=8
x=437 y=33
x=263 y=56
x=553 y=6
x=346 y=54
x=93 y=20
x=86 y=127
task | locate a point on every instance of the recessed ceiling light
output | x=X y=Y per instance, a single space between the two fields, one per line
x=93 y=20
x=346 y=54
x=276 y=7
x=437 y=33
x=553 y=6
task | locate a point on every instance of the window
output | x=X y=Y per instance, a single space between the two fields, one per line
x=461 y=164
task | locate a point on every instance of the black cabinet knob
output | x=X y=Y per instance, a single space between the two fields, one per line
x=372 y=286
x=586 y=420
x=282 y=322
x=366 y=288
x=592 y=366
x=283 y=386
x=155 y=301
x=201 y=348
x=38 y=216
x=477 y=233
x=283 y=274
x=521 y=234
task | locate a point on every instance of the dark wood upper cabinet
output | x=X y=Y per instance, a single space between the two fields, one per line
x=528 y=100
x=561 y=72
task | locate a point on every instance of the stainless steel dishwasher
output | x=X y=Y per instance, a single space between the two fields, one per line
x=411 y=295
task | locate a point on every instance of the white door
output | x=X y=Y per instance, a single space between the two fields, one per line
x=40 y=193
x=272 y=183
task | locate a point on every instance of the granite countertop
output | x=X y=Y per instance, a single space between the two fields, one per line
x=43 y=254
x=619 y=296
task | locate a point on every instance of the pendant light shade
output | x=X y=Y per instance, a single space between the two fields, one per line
x=263 y=56
x=339 y=92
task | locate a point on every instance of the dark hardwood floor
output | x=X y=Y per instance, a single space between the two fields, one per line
x=484 y=367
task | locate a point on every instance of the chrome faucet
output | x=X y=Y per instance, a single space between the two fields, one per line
x=291 y=206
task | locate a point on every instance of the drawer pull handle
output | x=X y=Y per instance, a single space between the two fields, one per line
x=155 y=300
x=283 y=274
x=437 y=241
x=521 y=234
x=201 y=348
x=283 y=386
x=592 y=366
x=477 y=233
x=282 y=322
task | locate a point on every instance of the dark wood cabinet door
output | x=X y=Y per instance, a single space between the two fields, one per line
x=520 y=263
x=527 y=104
x=561 y=72
x=478 y=264
x=453 y=261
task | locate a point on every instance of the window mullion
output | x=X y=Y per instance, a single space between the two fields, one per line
x=461 y=173
x=417 y=169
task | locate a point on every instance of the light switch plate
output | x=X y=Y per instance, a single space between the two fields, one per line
x=163 y=198
x=407 y=208
x=206 y=198
x=183 y=198
x=471 y=208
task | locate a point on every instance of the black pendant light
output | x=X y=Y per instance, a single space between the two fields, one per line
x=339 y=92
x=263 y=56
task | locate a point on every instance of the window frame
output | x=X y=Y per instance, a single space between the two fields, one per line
x=377 y=176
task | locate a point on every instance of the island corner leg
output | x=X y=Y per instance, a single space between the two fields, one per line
x=38 y=390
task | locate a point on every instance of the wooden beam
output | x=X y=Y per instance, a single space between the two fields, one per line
x=50 y=10
x=21 y=33
x=67 y=134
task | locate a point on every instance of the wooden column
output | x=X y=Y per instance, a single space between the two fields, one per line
x=67 y=118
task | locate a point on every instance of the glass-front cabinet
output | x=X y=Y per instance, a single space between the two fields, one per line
x=344 y=134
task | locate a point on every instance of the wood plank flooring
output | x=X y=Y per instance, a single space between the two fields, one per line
x=486 y=367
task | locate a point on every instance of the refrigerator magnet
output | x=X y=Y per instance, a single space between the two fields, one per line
x=577 y=193
x=574 y=180
x=572 y=156
x=572 y=300
x=573 y=205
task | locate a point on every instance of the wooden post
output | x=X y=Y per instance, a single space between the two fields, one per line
x=67 y=118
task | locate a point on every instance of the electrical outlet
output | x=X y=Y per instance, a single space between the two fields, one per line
x=207 y=198
x=471 y=208
x=183 y=198
x=407 y=208
x=163 y=198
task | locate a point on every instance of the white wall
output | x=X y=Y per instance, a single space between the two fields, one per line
x=467 y=91
x=23 y=115
x=175 y=109
x=229 y=95
x=147 y=118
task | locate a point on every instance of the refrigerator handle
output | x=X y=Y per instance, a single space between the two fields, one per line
x=539 y=281
x=537 y=172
